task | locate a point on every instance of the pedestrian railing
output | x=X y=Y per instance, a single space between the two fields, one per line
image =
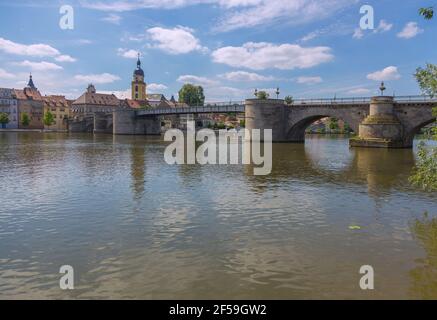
x=239 y=106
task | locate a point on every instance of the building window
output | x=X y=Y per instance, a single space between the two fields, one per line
x=136 y=95
x=136 y=88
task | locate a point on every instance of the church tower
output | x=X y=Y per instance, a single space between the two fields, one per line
x=138 y=84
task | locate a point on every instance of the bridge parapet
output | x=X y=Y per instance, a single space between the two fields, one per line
x=234 y=108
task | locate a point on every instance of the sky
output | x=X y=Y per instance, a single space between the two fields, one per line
x=307 y=48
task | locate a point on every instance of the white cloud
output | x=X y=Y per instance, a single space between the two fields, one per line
x=239 y=13
x=262 y=55
x=310 y=36
x=123 y=94
x=127 y=94
x=224 y=93
x=383 y=26
x=214 y=91
x=130 y=5
x=65 y=58
x=178 y=40
x=197 y=80
x=335 y=29
x=251 y=13
x=156 y=87
x=33 y=50
x=97 y=78
x=245 y=76
x=358 y=33
x=39 y=66
x=127 y=53
x=112 y=18
x=410 y=31
x=389 y=73
x=6 y=75
x=309 y=80
x=36 y=50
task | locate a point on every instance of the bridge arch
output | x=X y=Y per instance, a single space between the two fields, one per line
x=413 y=118
x=301 y=118
x=409 y=135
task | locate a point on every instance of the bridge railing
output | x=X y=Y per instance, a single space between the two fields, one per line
x=360 y=100
x=404 y=99
x=331 y=101
x=239 y=106
x=209 y=108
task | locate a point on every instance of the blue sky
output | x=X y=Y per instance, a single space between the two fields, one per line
x=307 y=48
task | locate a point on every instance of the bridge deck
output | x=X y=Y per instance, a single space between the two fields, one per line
x=239 y=107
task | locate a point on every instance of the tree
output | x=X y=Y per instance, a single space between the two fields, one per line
x=333 y=124
x=25 y=120
x=427 y=13
x=4 y=119
x=289 y=100
x=425 y=172
x=191 y=95
x=262 y=95
x=427 y=79
x=49 y=119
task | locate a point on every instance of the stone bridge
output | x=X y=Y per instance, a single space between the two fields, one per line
x=99 y=122
x=378 y=122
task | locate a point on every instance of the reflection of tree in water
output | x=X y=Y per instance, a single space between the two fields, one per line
x=424 y=276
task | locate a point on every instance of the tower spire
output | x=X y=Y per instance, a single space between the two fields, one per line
x=139 y=61
x=138 y=84
x=30 y=84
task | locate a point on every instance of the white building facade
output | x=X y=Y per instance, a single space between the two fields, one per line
x=9 y=105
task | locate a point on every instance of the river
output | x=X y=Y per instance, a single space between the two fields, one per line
x=133 y=226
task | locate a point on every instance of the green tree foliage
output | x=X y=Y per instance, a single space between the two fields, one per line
x=333 y=124
x=289 y=100
x=427 y=79
x=25 y=119
x=49 y=119
x=427 y=13
x=191 y=95
x=220 y=126
x=425 y=171
x=4 y=118
x=262 y=95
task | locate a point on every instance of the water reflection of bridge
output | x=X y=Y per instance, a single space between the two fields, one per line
x=320 y=161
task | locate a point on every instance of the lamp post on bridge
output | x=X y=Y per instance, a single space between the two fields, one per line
x=382 y=88
x=277 y=93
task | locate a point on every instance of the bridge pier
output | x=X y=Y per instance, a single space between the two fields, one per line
x=102 y=123
x=382 y=128
x=86 y=124
x=126 y=122
x=267 y=114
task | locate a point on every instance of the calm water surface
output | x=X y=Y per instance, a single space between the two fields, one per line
x=134 y=227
